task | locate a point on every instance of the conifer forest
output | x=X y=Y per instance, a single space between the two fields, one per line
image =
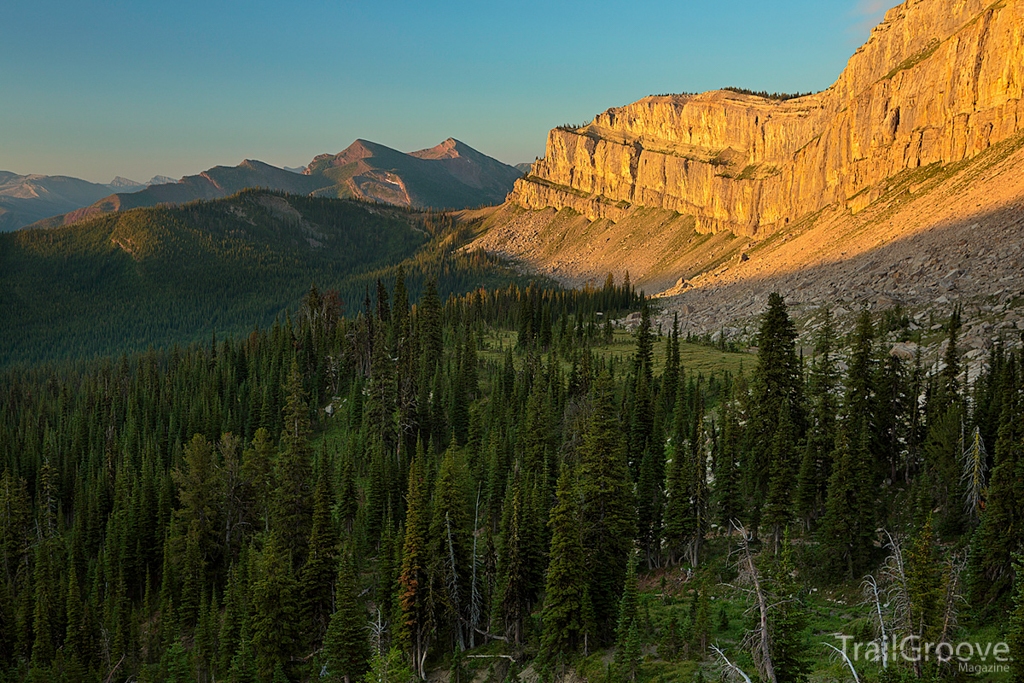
x=503 y=485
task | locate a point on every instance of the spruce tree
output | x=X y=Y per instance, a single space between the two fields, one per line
x=566 y=596
x=815 y=462
x=1002 y=523
x=449 y=545
x=317 y=573
x=608 y=514
x=291 y=504
x=847 y=529
x=347 y=644
x=276 y=619
x=777 y=378
x=414 y=629
x=778 y=508
x=1016 y=630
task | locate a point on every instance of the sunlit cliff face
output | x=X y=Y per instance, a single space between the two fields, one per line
x=937 y=82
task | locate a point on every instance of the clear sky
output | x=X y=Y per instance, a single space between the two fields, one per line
x=136 y=88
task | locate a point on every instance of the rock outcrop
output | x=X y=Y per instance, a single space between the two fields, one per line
x=937 y=82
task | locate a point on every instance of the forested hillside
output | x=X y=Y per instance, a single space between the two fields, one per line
x=165 y=275
x=493 y=485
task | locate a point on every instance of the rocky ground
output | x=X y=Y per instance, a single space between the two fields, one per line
x=937 y=238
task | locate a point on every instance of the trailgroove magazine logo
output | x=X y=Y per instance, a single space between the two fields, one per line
x=972 y=657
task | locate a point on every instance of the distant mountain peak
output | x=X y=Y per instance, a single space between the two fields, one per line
x=121 y=181
x=449 y=149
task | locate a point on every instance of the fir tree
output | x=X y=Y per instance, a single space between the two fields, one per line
x=847 y=528
x=347 y=645
x=608 y=514
x=414 y=629
x=566 y=596
x=276 y=619
x=292 y=505
x=318 y=571
x=777 y=378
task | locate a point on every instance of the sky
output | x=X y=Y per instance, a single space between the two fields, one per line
x=95 y=89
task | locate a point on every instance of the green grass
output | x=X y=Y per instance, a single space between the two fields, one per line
x=699 y=358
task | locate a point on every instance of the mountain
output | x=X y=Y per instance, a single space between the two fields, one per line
x=917 y=145
x=176 y=274
x=450 y=175
x=25 y=199
x=217 y=182
x=125 y=184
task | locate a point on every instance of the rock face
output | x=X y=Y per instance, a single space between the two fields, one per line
x=937 y=82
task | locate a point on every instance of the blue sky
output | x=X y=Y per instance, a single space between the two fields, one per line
x=137 y=88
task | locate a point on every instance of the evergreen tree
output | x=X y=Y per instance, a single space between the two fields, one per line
x=847 y=529
x=1016 y=631
x=608 y=515
x=815 y=463
x=566 y=595
x=318 y=571
x=778 y=508
x=777 y=378
x=1002 y=523
x=276 y=618
x=292 y=505
x=415 y=629
x=347 y=645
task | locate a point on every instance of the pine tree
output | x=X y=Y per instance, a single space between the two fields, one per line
x=778 y=508
x=318 y=572
x=815 y=464
x=515 y=592
x=566 y=596
x=275 y=610
x=787 y=620
x=777 y=378
x=1016 y=631
x=1002 y=522
x=347 y=645
x=727 y=473
x=414 y=630
x=608 y=512
x=450 y=547
x=388 y=667
x=291 y=512
x=847 y=529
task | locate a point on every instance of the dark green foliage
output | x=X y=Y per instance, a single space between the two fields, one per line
x=608 y=516
x=164 y=275
x=777 y=380
x=184 y=508
x=276 y=618
x=347 y=644
x=566 y=594
x=1016 y=639
x=848 y=528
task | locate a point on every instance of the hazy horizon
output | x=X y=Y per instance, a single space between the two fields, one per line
x=148 y=89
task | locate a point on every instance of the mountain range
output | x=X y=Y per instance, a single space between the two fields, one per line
x=451 y=175
x=25 y=199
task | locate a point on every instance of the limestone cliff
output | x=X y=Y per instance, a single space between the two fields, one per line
x=938 y=81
